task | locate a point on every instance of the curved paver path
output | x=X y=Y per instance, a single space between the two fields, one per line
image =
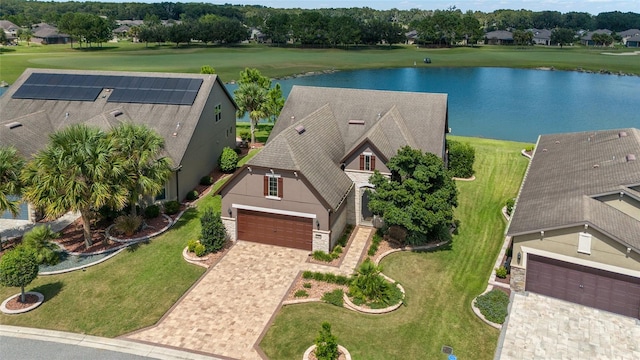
x=226 y=311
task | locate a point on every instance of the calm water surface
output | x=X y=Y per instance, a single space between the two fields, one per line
x=502 y=103
x=509 y=104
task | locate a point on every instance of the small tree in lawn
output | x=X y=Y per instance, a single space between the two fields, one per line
x=326 y=344
x=228 y=161
x=214 y=234
x=419 y=196
x=18 y=267
x=461 y=159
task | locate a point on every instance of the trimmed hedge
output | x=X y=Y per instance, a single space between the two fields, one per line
x=228 y=161
x=493 y=305
x=152 y=211
x=461 y=159
x=171 y=207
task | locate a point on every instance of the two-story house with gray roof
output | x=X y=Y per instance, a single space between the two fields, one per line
x=576 y=224
x=311 y=178
x=194 y=113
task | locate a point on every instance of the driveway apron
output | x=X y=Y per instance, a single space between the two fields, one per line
x=228 y=309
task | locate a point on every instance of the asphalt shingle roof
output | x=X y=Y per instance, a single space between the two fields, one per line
x=390 y=120
x=567 y=174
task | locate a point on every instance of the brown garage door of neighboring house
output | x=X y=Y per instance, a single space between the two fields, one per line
x=584 y=285
x=275 y=229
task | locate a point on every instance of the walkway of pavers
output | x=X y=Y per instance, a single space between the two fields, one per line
x=226 y=312
x=544 y=328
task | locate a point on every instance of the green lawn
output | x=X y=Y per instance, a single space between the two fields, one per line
x=279 y=62
x=440 y=285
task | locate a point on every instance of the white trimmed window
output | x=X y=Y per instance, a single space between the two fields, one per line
x=584 y=243
x=367 y=162
x=273 y=186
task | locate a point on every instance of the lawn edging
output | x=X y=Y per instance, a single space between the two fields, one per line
x=350 y=305
x=409 y=248
x=142 y=238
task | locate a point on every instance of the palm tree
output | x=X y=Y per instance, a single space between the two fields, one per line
x=77 y=171
x=10 y=166
x=251 y=98
x=145 y=171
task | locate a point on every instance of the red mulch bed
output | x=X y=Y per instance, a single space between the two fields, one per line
x=152 y=226
x=15 y=304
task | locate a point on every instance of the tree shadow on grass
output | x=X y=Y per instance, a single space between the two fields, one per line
x=49 y=290
x=188 y=215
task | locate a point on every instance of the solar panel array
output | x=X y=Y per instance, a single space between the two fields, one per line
x=125 y=89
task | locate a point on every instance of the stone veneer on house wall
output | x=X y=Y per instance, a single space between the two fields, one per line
x=230 y=225
x=517 y=278
x=321 y=240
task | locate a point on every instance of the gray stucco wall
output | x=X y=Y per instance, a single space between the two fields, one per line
x=339 y=222
x=207 y=142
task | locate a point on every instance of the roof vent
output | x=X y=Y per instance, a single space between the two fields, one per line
x=175 y=133
x=595 y=166
x=13 y=125
x=356 y=122
x=631 y=157
x=300 y=129
x=557 y=141
x=544 y=150
x=622 y=134
x=116 y=113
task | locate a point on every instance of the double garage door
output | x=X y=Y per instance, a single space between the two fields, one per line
x=584 y=285
x=275 y=229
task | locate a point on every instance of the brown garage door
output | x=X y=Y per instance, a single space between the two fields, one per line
x=275 y=229
x=584 y=285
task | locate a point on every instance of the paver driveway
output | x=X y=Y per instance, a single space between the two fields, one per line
x=227 y=310
x=540 y=327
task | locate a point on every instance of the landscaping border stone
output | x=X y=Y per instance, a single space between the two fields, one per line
x=479 y=314
x=341 y=348
x=3 y=306
x=350 y=305
x=194 y=260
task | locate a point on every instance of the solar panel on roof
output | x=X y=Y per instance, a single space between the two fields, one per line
x=129 y=89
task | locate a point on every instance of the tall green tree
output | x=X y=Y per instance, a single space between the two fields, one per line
x=419 y=196
x=18 y=267
x=145 y=171
x=522 y=37
x=11 y=165
x=562 y=36
x=78 y=171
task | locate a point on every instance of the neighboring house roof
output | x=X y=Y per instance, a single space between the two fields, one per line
x=388 y=120
x=39 y=118
x=44 y=30
x=8 y=25
x=413 y=34
x=542 y=34
x=130 y=22
x=629 y=33
x=499 y=34
x=567 y=175
x=589 y=35
x=635 y=38
x=121 y=29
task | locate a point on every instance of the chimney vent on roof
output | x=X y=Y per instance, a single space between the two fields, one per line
x=13 y=125
x=631 y=157
x=116 y=113
x=356 y=122
x=622 y=134
x=300 y=129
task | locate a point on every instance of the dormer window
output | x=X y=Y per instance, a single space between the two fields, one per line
x=367 y=162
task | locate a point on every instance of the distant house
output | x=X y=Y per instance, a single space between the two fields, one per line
x=194 y=113
x=498 y=37
x=121 y=32
x=633 y=41
x=587 y=39
x=312 y=176
x=628 y=34
x=541 y=36
x=10 y=29
x=46 y=34
x=130 y=23
x=412 y=37
x=575 y=227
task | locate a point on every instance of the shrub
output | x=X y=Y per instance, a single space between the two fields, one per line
x=228 y=161
x=213 y=232
x=369 y=286
x=461 y=159
x=18 y=268
x=375 y=242
x=192 y=195
x=326 y=344
x=245 y=135
x=301 y=293
x=334 y=297
x=200 y=250
x=342 y=241
x=191 y=245
x=171 y=207
x=237 y=150
x=510 y=204
x=206 y=180
x=493 y=305
x=127 y=224
x=529 y=148
x=501 y=272
x=330 y=278
x=152 y=211
x=306 y=285
x=318 y=276
x=39 y=239
x=307 y=274
x=342 y=280
x=322 y=256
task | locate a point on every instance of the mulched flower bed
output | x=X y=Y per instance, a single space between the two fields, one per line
x=15 y=304
x=152 y=226
x=213 y=257
x=317 y=289
x=72 y=238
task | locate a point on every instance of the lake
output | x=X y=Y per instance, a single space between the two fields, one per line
x=508 y=104
x=503 y=103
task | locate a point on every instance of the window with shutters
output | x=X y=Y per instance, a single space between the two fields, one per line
x=367 y=162
x=273 y=185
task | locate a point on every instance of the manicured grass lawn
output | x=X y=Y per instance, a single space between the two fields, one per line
x=262 y=131
x=440 y=285
x=279 y=62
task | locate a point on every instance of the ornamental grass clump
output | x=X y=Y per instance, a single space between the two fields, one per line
x=39 y=240
x=369 y=287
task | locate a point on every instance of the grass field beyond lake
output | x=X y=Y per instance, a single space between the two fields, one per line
x=439 y=285
x=278 y=62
